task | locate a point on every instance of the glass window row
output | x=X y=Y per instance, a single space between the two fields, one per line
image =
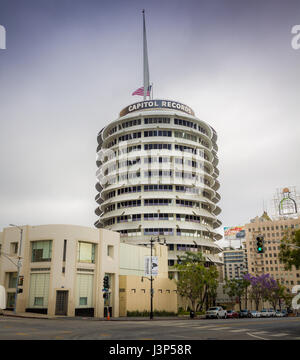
x=157 y=120
x=157 y=217
x=157 y=202
x=160 y=187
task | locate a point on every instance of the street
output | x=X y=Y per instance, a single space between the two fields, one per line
x=14 y=328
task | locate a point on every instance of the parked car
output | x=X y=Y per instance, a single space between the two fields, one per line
x=244 y=313
x=284 y=313
x=255 y=314
x=272 y=313
x=279 y=313
x=231 y=314
x=216 y=312
x=265 y=313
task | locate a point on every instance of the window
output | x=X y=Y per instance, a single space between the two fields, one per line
x=86 y=252
x=158 y=120
x=39 y=290
x=187 y=136
x=158 y=188
x=12 y=280
x=158 y=231
x=157 y=147
x=38 y=301
x=10 y=301
x=185 y=123
x=65 y=250
x=41 y=251
x=83 y=301
x=84 y=291
x=14 y=247
x=136 y=217
x=157 y=133
x=110 y=251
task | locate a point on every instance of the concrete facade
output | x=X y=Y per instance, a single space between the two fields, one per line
x=63 y=267
x=235 y=263
x=268 y=262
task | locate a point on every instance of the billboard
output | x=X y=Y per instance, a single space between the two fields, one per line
x=234 y=233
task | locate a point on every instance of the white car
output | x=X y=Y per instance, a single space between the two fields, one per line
x=265 y=313
x=255 y=314
x=216 y=312
x=279 y=313
x=272 y=312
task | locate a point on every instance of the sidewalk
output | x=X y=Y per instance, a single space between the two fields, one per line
x=50 y=317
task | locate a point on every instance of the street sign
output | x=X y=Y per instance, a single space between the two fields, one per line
x=148 y=265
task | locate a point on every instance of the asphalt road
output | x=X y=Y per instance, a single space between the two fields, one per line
x=13 y=328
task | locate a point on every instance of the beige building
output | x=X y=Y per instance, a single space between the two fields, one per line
x=268 y=262
x=135 y=287
x=63 y=267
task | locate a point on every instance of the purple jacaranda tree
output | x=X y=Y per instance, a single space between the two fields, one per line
x=263 y=287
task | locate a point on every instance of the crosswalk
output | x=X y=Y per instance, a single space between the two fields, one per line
x=231 y=329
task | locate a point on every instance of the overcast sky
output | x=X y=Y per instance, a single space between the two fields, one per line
x=71 y=65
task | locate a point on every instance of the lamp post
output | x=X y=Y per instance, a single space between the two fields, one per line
x=152 y=240
x=18 y=265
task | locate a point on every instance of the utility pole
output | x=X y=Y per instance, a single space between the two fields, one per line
x=152 y=241
x=18 y=265
x=151 y=281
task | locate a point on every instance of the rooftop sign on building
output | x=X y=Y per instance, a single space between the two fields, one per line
x=157 y=104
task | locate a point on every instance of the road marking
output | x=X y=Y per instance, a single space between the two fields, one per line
x=220 y=328
x=204 y=327
x=260 y=332
x=239 y=330
x=258 y=337
x=280 y=334
x=186 y=325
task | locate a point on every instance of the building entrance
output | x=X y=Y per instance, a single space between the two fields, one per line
x=61 y=302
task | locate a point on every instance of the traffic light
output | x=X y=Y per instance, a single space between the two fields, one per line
x=106 y=282
x=21 y=280
x=260 y=244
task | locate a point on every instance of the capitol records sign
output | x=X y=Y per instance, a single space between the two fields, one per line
x=155 y=104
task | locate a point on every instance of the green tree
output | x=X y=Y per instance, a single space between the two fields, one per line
x=276 y=294
x=290 y=249
x=196 y=282
x=235 y=288
x=211 y=285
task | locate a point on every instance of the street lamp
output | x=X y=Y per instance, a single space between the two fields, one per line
x=18 y=265
x=152 y=240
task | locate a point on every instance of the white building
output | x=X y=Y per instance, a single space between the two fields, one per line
x=157 y=175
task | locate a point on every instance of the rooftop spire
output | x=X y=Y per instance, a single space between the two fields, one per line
x=145 y=55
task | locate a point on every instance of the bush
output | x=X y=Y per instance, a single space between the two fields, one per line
x=146 y=313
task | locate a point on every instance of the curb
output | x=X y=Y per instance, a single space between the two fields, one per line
x=47 y=317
